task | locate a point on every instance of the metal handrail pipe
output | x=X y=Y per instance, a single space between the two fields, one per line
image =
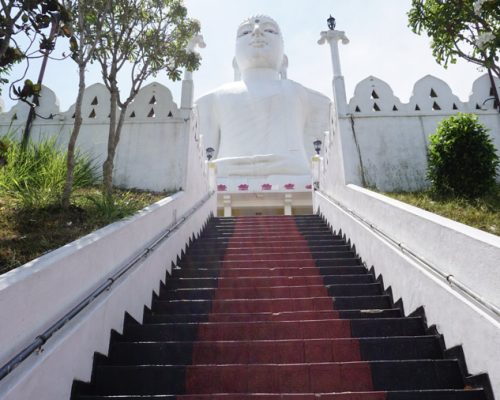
x=450 y=279
x=41 y=339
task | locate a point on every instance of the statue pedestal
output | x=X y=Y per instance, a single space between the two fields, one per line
x=264 y=195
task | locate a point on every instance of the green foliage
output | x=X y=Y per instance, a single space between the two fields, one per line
x=155 y=35
x=35 y=177
x=35 y=19
x=462 y=160
x=111 y=208
x=468 y=29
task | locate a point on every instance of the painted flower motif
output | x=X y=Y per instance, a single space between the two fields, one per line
x=221 y=188
x=289 y=186
x=309 y=187
x=243 y=186
x=267 y=186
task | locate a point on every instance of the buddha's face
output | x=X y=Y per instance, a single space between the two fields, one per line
x=259 y=44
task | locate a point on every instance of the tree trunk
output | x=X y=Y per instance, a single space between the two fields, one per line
x=70 y=160
x=107 y=167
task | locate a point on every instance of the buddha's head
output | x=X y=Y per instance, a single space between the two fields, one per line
x=259 y=44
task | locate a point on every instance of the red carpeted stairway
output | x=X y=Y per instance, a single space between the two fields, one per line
x=269 y=308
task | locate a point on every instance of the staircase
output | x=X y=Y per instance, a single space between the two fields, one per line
x=269 y=308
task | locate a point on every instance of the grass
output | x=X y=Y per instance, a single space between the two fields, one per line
x=482 y=213
x=28 y=232
x=32 y=221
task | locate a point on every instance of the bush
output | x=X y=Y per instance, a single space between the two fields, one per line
x=462 y=160
x=35 y=177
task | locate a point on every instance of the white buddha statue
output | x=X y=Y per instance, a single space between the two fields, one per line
x=262 y=123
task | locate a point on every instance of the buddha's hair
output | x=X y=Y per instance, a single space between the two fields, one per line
x=253 y=17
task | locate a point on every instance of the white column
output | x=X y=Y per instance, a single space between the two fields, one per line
x=212 y=175
x=227 y=205
x=288 y=204
x=187 y=93
x=338 y=85
x=315 y=165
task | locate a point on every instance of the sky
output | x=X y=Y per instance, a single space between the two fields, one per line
x=381 y=44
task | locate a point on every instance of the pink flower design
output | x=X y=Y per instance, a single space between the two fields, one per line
x=267 y=186
x=243 y=186
x=289 y=186
x=309 y=187
x=221 y=188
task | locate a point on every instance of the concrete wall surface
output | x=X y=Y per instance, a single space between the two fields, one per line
x=37 y=294
x=470 y=256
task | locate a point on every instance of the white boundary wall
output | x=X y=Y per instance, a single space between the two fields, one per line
x=37 y=294
x=392 y=137
x=152 y=150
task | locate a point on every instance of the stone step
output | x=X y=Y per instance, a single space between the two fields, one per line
x=262 y=272
x=151 y=317
x=278 y=378
x=177 y=283
x=275 y=352
x=443 y=394
x=274 y=292
x=275 y=330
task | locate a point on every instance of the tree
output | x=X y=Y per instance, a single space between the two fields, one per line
x=30 y=18
x=462 y=159
x=33 y=18
x=468 y=29
x=88 y=32
x=150 y=36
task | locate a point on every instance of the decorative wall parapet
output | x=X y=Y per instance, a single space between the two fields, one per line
x=154 y=102
x=430 y=95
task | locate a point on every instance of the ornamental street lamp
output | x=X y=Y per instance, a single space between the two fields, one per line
x=317 y=146
x=210 y=153
x=331 y=23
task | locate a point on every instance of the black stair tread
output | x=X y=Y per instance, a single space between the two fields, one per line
x=321 y=262
x=440 y=394
x=216 y=245
x=180 y=352
x=244 y=250
x=386 y=375
x=341 y=251
x=186 y=331
x=266 y=272
x=155 y=317
x=333 y=286
x=349 y=300
x=328 y=279
x=337 y=255
x=362 y=302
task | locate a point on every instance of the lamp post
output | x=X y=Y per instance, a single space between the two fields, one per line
x=332 y=37
x=331 y=23
x=317 y=146
x=210 y=153
x=212 y=181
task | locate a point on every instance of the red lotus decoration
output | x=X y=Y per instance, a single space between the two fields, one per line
x=289 y=186
x=309 y=187
x=243 y=186
x=267 y=186
x=221 y=188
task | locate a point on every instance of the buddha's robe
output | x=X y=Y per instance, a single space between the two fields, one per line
x=262 y=127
